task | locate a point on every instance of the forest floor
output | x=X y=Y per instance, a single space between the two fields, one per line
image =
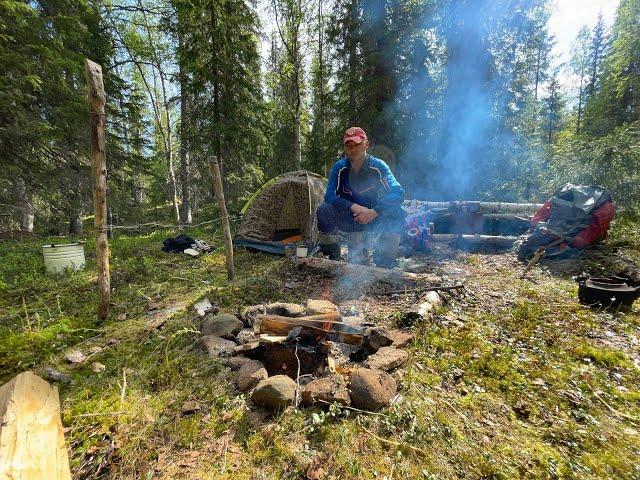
x=511 y=378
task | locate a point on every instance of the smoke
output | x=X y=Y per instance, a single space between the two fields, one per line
x=458 y=101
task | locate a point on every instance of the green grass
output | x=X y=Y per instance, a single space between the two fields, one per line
x=526 y=388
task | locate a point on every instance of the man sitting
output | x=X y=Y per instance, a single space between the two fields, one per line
x=362 y=197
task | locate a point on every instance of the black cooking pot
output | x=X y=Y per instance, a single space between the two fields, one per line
x=606 y=291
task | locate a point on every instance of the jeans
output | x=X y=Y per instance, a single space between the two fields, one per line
x=330 y=220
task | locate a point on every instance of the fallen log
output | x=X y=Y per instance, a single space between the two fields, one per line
x=362 y=274
x=31 y=435
x=476 y=241
x=475 y=206
x=425 y=289
x=513 y=217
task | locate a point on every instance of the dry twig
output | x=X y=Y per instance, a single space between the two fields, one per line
x=393 y=442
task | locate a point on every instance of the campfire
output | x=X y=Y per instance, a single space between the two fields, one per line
x=288 y=354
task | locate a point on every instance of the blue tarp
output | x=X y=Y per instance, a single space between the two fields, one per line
x=275 y=248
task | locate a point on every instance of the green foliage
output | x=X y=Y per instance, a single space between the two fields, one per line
x=616 y=100
x=397 y=68
x=612 y=160
x=221 y=63
x=604 y=146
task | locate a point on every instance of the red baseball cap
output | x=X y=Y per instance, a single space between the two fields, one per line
x=354 y=134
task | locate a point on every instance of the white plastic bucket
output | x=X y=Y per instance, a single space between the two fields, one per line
x=57 y=258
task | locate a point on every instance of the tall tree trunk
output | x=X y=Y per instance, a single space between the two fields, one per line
x=185 y=167
x=297 y=138
x=168 y=150
x=377 y=45
x=291 y=40
x=216 y=89
x=580 y=98
x=166 y=131
x=28 y=216
x=323 y=116
x=297 y=134
x=27 y=211
x=75 y=224
x=75 y=208
x=538 y=72
x=109 y=222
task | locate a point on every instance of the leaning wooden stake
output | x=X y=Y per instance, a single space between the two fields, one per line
x=31 y=434
x=93 y=72
x=540 y=252
x=224 y=217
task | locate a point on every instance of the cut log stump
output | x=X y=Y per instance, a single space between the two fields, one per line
x=31 y=435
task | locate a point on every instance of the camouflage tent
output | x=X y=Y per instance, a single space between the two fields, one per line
x=282 y=211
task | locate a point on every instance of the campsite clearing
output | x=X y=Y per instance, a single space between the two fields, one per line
x=510 y=378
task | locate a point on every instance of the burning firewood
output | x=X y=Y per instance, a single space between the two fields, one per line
x=327 y=325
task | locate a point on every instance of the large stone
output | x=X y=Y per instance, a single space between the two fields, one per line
x=401 y=338
x=222 y=325
x=250 y=374
x=387 y=358
x=376 y=338
x=316 y=307
x=234 y=363
x=285 y=309
x=246 y=335
x=216 y=346
x=326 y=390
x=372 y=389
x=275 y=392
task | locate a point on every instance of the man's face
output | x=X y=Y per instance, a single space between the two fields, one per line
x=356 y=151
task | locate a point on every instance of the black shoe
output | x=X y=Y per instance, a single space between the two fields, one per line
x=331 y=250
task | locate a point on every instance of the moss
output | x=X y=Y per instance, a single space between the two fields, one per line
x=603 y=356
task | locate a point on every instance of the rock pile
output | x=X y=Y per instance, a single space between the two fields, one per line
x=364 y=377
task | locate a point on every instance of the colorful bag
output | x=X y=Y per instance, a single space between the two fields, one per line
x=417 y=232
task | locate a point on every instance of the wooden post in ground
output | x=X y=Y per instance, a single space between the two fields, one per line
x=95 y=85
x=224 y=217
x=31 y=435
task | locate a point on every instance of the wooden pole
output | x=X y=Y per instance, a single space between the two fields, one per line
x=93 y=72
x=224 y=217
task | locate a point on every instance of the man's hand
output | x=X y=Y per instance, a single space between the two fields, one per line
x=363 y=215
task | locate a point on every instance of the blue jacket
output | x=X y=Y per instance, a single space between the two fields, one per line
x=374 y=186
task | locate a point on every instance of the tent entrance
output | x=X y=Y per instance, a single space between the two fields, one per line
x=291 y=235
